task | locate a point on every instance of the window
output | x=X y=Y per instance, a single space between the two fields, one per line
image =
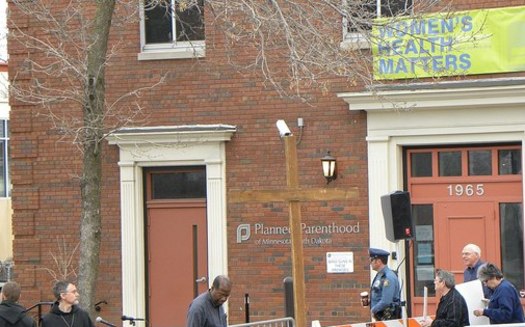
x=179 y=183
x=4 y=147
x=449 y=163
x=511 y=235
x=363 y=12
x=424 y=261
x=173 y=30
x=421 y=164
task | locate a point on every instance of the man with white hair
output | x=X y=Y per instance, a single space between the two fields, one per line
x=471 y=256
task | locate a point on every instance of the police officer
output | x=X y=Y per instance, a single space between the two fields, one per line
x=385 y=290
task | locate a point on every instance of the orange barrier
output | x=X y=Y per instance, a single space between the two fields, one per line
x=411 y=322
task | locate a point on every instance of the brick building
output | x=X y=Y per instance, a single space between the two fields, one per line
x=211 y=132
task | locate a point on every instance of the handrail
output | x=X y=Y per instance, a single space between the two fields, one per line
x=39 y=305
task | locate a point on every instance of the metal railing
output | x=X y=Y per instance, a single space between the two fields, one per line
x=282 y=322
x=38 y=316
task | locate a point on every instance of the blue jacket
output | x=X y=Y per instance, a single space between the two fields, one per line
x=504 y=305
x=385 y=290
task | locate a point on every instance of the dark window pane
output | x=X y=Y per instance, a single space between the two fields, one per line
x=423 y=217
x=509 y=162
x=190 y=22
x=361 y=15
x=363 y=12
x=390 y=8
x=450 y=163
x=3 y=128
x=158 y=23
x=480 y=162
x=421 y=164
x=511 y=235
x=184 y=184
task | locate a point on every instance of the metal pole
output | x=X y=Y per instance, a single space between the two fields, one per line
x=246 y=307
x=288 y=297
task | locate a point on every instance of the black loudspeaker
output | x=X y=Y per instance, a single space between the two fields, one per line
x=397 y=212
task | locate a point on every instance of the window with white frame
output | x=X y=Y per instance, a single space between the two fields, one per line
x=361 y=13
x=4 y=147
x=172 y=29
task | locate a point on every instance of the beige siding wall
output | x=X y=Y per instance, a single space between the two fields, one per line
x=6 y=234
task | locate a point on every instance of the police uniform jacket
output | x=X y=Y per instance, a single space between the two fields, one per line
x=385 y=290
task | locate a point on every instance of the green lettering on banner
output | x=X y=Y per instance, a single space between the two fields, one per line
x=447 y=44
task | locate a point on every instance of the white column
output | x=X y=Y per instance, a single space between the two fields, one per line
x=132 y=235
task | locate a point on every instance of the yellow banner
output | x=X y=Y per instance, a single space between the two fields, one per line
x=449 y=44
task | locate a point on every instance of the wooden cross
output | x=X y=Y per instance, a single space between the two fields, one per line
x=293 y=195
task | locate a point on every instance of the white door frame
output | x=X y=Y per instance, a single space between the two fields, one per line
x=465 y=112
x=159 y=147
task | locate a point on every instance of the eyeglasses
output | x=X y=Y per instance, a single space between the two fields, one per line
x=71 y=292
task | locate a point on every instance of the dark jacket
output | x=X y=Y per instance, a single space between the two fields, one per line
x=452 y=310
x=14 y=315
x=75 y=318
x=504 y=305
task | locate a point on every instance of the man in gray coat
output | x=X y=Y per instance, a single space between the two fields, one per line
x=206 y=310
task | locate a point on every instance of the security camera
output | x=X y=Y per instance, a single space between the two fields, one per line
x=283 y=128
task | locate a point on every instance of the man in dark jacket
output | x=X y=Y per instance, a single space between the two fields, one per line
x=13 y=314
x=452 y=309
x=65 y=312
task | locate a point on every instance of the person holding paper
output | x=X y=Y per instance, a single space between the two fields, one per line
x=471 y=256
x=452 y=310
x=504 y=305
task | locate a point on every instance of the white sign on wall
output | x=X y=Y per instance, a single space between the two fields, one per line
x=339 y=262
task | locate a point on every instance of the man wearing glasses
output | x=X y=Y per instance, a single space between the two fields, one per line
x=452 y=310
x=65 y=312
x=385 y=291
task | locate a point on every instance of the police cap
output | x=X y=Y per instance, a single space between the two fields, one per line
x=376 y=253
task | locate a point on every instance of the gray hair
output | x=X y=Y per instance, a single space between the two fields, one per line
x=59 y=288
x=488 y=271
x=447 y=277
x=473 y=248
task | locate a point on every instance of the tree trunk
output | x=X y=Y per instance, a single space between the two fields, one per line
x=93 y=133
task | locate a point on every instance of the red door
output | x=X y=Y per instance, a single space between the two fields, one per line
x=177 y=267
x=463 y=195
x=460 y=223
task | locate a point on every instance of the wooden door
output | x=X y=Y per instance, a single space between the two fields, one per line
x=177 y=265
x=459 y=223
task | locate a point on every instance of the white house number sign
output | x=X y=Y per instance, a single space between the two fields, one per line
x=466 y=189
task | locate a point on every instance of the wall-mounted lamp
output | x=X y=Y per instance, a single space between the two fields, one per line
x=328 y=163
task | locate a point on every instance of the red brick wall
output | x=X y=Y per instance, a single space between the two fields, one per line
x=46 y=193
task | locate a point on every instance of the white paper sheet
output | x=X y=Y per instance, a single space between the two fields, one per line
x=473 y=293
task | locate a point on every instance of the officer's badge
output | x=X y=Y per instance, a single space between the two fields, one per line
x=386 y=283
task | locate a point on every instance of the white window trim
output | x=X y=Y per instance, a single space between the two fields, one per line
x=355 y=40
x=426 y=117
x=162 y=146
x=173 y=50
